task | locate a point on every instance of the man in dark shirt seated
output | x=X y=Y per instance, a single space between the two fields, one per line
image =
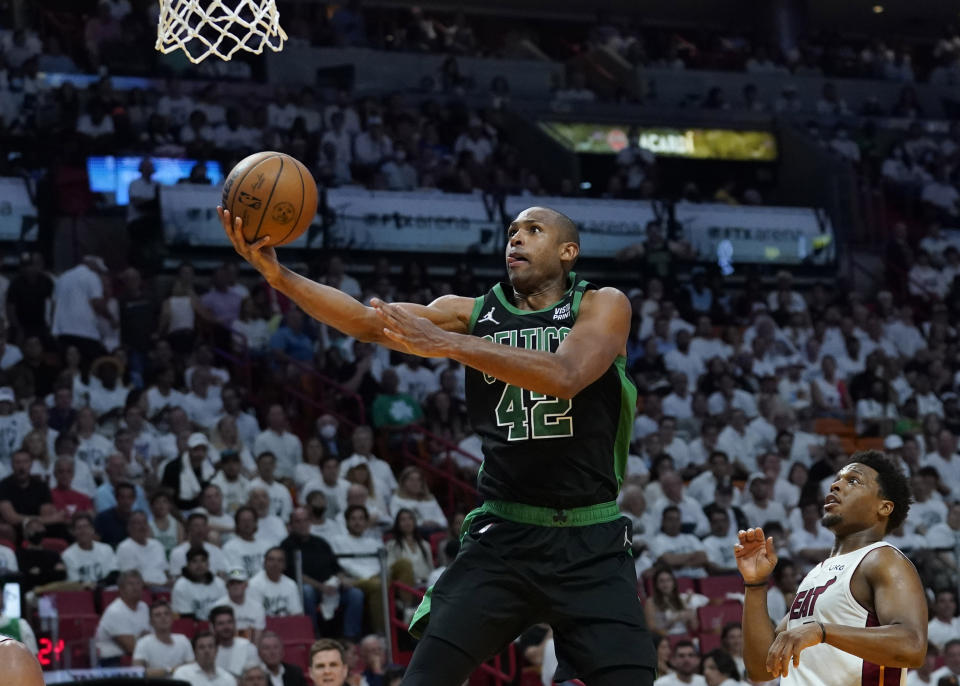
x=24 y=495
x=111 y=524
x=319 y=566
x=38 y=566
x=187 y=475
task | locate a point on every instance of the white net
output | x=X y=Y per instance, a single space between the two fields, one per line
x=202 y=28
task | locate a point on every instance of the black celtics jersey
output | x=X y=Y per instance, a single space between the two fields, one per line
x=537 y=449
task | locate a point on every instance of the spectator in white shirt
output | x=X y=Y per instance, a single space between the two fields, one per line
x=234 y=487
x=683 y=552
x=198 y=534
x=771 y=464
x=667 y=611
x=198 y=589
x=285 y=446
x=362 y=442
x=415 y=379
x=946 y=461
x=926 y=511
x=123 y=621
x=281 y=504
x=682 y=359
x=247 y=426
x=691 y=511
x=203 y=404
x=279 y=593
x=338 y=136
x=925 y=281
x=161 y=652
x=475 y=141
x=88 y=562
x=247 y=609
x=246 y=550
x=270 y=528
x=414 y=495
x=234 y=653
x=679 y=403
x=719 y=544
x=142 y=553
x=703 y=487
x=162 y=394
x=372 y=146
x=811 y=543
x=735 y=440
x=762 y=509
x=945 y=624
x=204 y=672
x=364 y=572
x=77 y=300
x=673 y=445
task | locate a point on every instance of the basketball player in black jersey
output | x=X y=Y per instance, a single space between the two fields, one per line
x=548 y=396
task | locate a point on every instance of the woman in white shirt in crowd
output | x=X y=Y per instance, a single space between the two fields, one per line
x=163 y=526
x=225 y=437
x=719 y=669
x=251 y=332
x=408 y=544
x=876 y=413
x=309 y=469
x=667 y=612
x=376 y=504
x=414 y=495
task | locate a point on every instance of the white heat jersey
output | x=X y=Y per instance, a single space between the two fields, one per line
x=825 y=596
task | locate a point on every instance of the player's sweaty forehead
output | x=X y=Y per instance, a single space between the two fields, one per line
x=534 y=215
x=865 y=473
x=555 y=223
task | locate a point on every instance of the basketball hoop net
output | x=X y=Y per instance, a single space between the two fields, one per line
x=218 y=27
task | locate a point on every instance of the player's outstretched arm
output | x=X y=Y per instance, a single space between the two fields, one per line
x=596 y=339
x=756 y=558
x=334 y=307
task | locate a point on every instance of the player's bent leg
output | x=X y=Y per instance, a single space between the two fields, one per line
x=437 y=662
x=621 y=676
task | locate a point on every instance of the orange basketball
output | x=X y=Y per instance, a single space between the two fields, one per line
x=274 y=194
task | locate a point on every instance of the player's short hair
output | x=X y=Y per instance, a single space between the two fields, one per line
x=325 y=644
x=892 y=484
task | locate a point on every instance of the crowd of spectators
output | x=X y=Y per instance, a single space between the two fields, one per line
x=156 y=465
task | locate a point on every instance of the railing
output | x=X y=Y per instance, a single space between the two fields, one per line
x=493 y=667
x=446 y=470
x=343 y=391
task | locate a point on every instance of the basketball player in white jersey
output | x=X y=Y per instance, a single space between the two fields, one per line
x=860 y=616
